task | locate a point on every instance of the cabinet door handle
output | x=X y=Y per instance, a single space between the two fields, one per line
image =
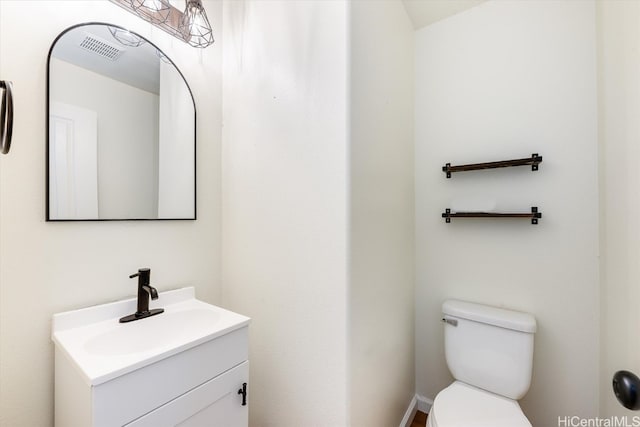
x=243 y=392
x=626 y=387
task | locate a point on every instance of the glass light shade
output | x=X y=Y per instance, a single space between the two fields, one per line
x=195 y=25
x=155 y=11
x=126 y=38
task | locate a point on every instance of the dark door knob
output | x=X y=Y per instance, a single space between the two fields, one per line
x=626 y=386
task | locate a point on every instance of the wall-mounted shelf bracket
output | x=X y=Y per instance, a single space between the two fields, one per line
x=534 y=215
x=534 y=161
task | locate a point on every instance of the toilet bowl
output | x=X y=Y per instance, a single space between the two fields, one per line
x=489 y=352
x=462 y=405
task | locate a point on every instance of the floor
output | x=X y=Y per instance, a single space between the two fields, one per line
x=420 y=420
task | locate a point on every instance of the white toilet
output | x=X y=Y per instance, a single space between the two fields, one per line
x=489 y=352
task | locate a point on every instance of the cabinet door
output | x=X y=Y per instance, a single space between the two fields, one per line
x=215 y=403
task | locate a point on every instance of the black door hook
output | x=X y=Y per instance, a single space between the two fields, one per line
x=6 y=116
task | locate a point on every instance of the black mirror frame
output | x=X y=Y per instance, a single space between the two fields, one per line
x=47 y=124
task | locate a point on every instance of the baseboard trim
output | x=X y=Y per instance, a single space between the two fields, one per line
x=410 y=413
x=424 y=404
x=418 y=403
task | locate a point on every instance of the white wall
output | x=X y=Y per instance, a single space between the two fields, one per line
x=285 y=203
x=381 y=247
x=51 y=267
x=504 y=80
x=619 y=126
x=127 y=138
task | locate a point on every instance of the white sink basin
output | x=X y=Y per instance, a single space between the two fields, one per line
x=103 y=349
x=148 y=334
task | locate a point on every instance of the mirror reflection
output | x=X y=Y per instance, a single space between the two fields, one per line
x=121 y=141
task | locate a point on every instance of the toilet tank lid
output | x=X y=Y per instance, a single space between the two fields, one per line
x=509 y=319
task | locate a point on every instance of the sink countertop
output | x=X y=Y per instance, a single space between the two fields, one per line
x=104 y=349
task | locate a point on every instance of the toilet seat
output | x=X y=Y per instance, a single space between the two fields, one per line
x=462 y=405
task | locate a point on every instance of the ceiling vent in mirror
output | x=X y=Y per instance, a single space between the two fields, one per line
x=101 y=47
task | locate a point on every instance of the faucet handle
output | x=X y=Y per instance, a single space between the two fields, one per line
x=141 y=272
x=144 y=276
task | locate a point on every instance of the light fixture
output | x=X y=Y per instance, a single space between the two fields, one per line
x=126 y=38
x=154 y=11
x=195 y=25
x=191 y=26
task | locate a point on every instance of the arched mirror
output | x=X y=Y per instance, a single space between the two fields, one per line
x=121 y=129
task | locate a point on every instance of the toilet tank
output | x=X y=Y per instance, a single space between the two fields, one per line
x=488 y=347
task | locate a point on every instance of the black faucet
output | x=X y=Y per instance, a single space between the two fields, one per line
x=145 y=290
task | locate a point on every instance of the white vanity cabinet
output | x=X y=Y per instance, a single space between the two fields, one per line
x=214 y=403
x=192 y=370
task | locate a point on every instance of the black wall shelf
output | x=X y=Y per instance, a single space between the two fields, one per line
x=534 y=215
x=534 y=161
